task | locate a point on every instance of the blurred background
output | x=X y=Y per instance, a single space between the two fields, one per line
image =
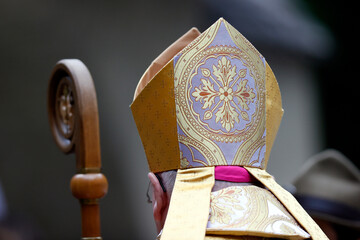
x=308 y=44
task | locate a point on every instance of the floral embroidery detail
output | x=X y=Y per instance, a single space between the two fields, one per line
x=251 y=209
x=222 y=203
x=228 y=112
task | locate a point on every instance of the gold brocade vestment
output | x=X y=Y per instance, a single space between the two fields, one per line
x=212 y=100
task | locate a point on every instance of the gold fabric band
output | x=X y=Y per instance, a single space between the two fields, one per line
x=289 y=202
x=155 y=117
x=189 y=206
x=274 y=111
x=91 y=238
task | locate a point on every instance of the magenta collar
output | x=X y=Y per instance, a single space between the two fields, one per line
x=233 y=174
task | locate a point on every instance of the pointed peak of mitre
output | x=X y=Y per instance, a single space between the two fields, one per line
x=219 y=81
x=222 y=33
x=215 y=98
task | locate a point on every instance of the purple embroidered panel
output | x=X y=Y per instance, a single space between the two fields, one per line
x=220 y=100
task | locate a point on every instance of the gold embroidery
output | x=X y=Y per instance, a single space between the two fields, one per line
x=251 y=209
x=189 y=119
x=221 y=205
x=220 y=98
x=289 y=202
x=225 y=74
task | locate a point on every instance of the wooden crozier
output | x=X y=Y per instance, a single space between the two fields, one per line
x=73 y=116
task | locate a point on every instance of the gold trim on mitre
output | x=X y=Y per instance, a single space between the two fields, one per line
x=164 y=58
x=209 y=100
x=274 y=110
x=153 y=108
x=220 y=100
x=154 y=112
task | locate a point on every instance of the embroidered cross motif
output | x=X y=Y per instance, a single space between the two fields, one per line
x=228 y=89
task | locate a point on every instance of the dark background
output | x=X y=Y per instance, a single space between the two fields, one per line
x=314 y=60
x=338 y=77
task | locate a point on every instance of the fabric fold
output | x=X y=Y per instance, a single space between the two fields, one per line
x=189 y=205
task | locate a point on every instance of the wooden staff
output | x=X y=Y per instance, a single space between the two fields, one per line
x=73 y=116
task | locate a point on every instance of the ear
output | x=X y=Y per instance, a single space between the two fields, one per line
x=160 y=202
